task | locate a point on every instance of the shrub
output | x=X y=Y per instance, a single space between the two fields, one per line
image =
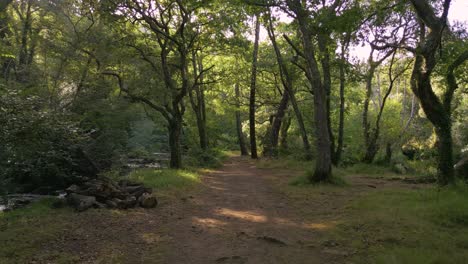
x=41 y=149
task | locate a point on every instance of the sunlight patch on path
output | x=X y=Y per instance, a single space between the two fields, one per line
x=244 y=215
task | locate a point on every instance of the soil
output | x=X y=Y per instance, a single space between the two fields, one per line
x=240 y=214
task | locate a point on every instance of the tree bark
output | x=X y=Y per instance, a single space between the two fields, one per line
x=240 y=134
x=284 y=132
x=253 y=81
x=175 y=130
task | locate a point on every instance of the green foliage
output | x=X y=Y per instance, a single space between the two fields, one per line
x=40 y=147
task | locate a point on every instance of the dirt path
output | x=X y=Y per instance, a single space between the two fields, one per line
x=240 y=214
x=238 y=217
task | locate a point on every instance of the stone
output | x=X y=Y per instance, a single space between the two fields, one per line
x=147 y=200
x=81 y=202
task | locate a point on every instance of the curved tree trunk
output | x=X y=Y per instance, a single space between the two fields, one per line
x=438 y=112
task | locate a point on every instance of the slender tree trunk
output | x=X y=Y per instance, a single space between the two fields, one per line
x=271 y=146
x=339 y=148
x=240 y=134
x=253 y=81
x=288 y=87
x=197 y=101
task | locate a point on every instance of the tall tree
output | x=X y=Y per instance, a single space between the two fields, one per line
x=240 y=133
x=288 y=95
x=320 y=87
x=253 y=83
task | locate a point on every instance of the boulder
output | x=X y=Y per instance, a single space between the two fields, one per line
x=81 y=202
x=147 y=200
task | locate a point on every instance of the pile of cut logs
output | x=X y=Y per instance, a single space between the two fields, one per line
x=102 y=192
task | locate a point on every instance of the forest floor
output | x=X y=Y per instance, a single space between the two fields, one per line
x=240 y=213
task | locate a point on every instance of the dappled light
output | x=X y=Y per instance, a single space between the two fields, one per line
x=243 y=215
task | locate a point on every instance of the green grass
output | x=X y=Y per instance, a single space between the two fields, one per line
x=425 y=226
x=23 y=232
x=165 y=179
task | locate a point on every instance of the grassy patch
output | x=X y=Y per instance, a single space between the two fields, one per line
x=167 y=178
x=425 y=226
x=284 y=163
x=25 y=231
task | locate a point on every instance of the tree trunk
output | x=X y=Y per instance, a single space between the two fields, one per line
x=284 y=132
x=271 y=146
x=339 y=149
x=323 y=169
x=175 y=130
x=253 y=80
x=240 y=134
x=388 y=153
x=323 y=43
x=365 y=114
x=197 y=101
x=288 y=87
x=437 y=112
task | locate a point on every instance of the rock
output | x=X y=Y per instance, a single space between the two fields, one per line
x=81 y=202
x=107 y=193
x=111 y=204
x=400 y=168
x=147 y=200
x=72 y=189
